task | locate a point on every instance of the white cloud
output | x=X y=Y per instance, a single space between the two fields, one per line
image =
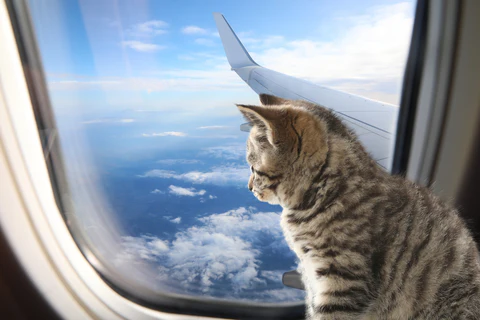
x=373 y=50
x=274 y=275
x=205 y=256
x=177 y=220
x=148 y=28
x=217 y=136
x=220 y=256
x=189 y=192
x=145 y=247
x=205 y=42
x=283 y=294
x=229 y=152
x=183 y=134
x=142 y=46
x=244 y=222
x=194 y=30
x=212 y=127
x=108 y=121
x=164 y=134
x=178 y=161
x=223 y=175
x=212 y=197
x=158 y=191
x=206 y=58
x=218 y=77
x=260 y=43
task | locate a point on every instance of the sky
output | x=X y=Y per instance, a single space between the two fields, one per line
x=144 y=100
x=158 y=53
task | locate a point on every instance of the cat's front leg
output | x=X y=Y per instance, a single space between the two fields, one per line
x=335 y=311
x=335 y=292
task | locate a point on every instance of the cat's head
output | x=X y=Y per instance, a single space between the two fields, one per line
x=285 y=146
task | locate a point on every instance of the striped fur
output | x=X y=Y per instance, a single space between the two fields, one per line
x=370 y=245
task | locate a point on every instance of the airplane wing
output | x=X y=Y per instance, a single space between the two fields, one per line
x=373 y=121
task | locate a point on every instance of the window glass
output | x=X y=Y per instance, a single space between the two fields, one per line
x=143 y=97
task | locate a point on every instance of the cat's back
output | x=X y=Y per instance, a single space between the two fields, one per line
x=425 y=259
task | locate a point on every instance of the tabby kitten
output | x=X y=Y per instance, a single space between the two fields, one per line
x=370 y=245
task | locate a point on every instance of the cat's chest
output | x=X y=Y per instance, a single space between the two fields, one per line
x=298 y=239
x=296 y=235
x=306 y=239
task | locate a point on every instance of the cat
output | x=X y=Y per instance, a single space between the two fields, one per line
x=370 y=245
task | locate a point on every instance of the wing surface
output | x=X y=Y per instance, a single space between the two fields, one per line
x=373 y=121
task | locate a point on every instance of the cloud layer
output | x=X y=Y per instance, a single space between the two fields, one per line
x=178 y=161
x=220 y=256
x=194 y=30
x=148 y=28
x=212 y=127
x=142 y=46
x=108 y=121
x=367 y=56
x=229 y=152
x=188 y=192
x=164 y=134
x=223 y=175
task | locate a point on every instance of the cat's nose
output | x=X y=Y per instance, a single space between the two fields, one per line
x=250 y=187
x=250 y=183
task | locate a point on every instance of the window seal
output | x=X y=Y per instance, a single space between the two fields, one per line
x=411 y=89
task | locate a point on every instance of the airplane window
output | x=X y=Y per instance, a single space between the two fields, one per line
x=143 y=99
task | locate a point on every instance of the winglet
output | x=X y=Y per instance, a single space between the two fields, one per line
x=237 y=55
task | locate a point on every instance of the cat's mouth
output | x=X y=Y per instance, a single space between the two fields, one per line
x=258 y=195
x=266 y=197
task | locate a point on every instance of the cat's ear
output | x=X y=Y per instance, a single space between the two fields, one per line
x=266 y=119
x=269 y=100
